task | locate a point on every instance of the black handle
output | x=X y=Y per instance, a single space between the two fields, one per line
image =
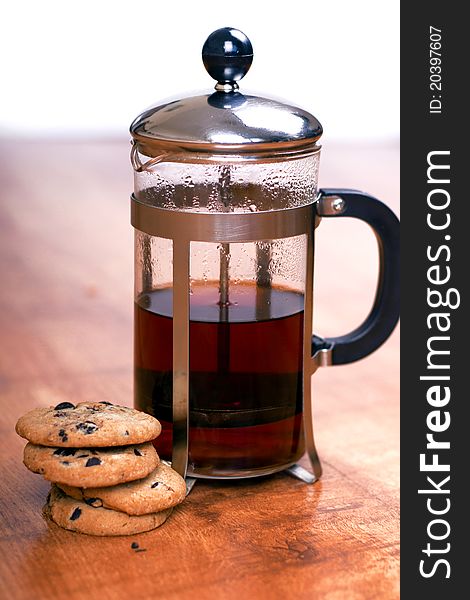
x=386 y=309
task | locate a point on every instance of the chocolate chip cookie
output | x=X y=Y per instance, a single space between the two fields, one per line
x=87 y=425
x=76 y=515
x=96 y=467
x=161 y=489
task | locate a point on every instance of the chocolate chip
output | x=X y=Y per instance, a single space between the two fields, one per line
x=137 y=452
x=63 y=405
x=63 y=435
x=64 y=462
x=126 y=432
x=76 y=513
x=95 y=502
x=104 y=402
x=86 y=427
x=93 y=462
x=65 y=452
x=154 y=485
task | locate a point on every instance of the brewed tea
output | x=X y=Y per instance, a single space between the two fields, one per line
x=245 y=382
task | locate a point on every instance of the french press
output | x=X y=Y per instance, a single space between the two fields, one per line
x=225 y=209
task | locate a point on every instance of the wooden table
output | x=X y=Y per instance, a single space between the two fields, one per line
x=66 y=333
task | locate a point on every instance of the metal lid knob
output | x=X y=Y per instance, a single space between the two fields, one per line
x=227 y=55
x=226 y=122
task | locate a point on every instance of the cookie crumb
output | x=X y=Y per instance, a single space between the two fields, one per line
x=135 y=546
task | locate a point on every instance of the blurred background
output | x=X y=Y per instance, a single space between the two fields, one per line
x=74 y=76
x=86 y=69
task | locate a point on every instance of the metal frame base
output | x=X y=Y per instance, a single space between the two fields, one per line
x=300 y=473
x=294 y=470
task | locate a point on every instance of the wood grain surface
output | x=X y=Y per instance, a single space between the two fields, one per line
x=66 y=334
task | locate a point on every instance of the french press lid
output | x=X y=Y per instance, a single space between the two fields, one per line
x=226 y=121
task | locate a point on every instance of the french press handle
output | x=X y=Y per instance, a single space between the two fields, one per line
x=386 y=307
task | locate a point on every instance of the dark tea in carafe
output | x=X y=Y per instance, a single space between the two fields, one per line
x=245 y=381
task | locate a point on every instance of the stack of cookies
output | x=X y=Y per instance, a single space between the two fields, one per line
x=107 y=477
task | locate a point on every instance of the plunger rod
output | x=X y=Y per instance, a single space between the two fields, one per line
x=225 y=193
x=224 y=275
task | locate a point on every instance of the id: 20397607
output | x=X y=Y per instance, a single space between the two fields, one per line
x=435 y=70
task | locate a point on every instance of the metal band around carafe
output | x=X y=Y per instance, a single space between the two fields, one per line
x=183 y=227
x=221 y=227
